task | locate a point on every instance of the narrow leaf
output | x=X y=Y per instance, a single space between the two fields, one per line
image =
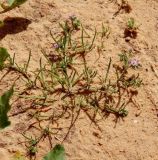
x=10 y=2
x=4 y=108
x=11 y=5
x=3 y=56
x=15 y=3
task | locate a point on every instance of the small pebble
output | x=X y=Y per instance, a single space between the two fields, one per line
x=135 y=121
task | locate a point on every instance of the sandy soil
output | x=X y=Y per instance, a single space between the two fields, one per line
x=135 y=137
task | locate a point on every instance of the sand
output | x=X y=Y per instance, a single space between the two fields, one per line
x=133 y=138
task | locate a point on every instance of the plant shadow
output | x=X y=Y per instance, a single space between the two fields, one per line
x=13 y=25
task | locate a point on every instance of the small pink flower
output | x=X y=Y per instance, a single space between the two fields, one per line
x=56 y=46
x=72 y=17
x=134 y=62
